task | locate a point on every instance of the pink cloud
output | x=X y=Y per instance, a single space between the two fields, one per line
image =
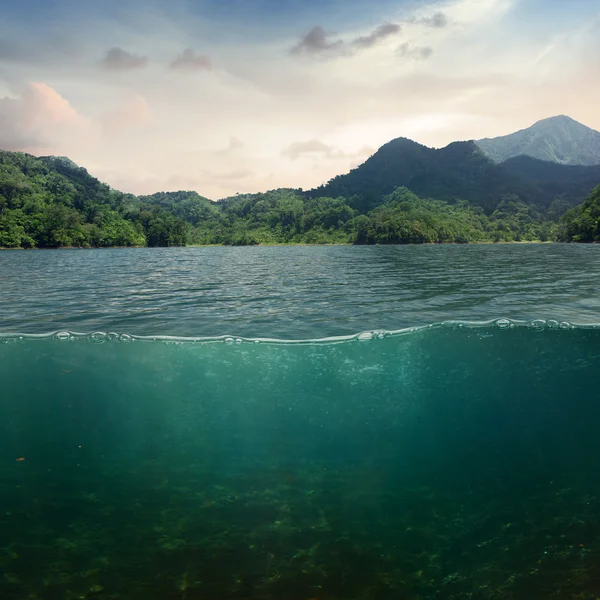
x=39 y=120
x=44 y=106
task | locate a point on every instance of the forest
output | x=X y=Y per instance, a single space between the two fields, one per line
x=50 y=202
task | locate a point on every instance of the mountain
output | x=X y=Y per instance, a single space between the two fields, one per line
x=49 y=202
x=404 y=193
x=460 y=171
x=557 y=139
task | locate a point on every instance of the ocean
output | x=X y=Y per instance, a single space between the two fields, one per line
x=300 y=423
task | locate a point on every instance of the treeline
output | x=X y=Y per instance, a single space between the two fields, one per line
x=286 y=216
x=582 y=223
x=51 y=202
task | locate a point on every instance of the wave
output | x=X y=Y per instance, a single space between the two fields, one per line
x=497 y=324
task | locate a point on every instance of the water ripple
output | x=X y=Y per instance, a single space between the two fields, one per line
x=294 y=292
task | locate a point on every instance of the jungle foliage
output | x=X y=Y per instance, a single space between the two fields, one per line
x=50 y=202
x=582 y=223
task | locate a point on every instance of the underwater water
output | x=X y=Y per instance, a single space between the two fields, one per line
x=444 y=462
x=458 y=459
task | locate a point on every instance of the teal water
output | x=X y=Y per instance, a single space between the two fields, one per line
x=449 y=461
x=293 y=292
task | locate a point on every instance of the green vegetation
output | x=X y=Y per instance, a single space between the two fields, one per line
x=460 y=171
x=582 y=223
x=50 y=202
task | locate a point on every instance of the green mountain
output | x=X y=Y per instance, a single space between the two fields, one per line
x=557 y=139
x=405 y=193
x=460 y=171
x=50 y=202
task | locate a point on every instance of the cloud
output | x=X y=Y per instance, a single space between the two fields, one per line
x=117 y=59
x=301 y=119
x=438 y=20
x=234 y=144
x=188 y=60
x=316 y=42
x=39 y=119
x=417 y=52
x=12 y=133
x=298 y=149
x=382 y=32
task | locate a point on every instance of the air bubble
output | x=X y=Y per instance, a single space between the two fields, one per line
x=62 y=336
x=111 y=336
x=98 y=337
x=503 y=324
x=125 y=337
x=552 y=324
x=537 y=325
x=379 y=334
x=238 y=340
x=366 y=336
x=565 y=325
x=229 y=340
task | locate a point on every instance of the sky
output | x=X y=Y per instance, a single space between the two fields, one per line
x=236 y=96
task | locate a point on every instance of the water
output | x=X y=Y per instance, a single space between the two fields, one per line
x=451 y=461
x=293 y=292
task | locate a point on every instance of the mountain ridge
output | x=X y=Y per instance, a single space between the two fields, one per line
x=404 y=193
x=460 y=171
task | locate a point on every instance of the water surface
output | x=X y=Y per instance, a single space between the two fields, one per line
x=450 y=461
x=294 y=292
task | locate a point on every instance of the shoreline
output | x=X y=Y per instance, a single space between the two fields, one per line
x=282 y=244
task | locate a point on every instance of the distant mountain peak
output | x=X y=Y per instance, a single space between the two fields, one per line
x=557 y=118
x=560 y=139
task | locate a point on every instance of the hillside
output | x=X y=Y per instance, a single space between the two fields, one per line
x=404 y=193
x=460 y=171
x=189 y=206
x=559 y=139
x=582 y=223
x=50 y=202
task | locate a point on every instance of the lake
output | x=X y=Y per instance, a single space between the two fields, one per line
x=294 y=292
x=443 y=445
